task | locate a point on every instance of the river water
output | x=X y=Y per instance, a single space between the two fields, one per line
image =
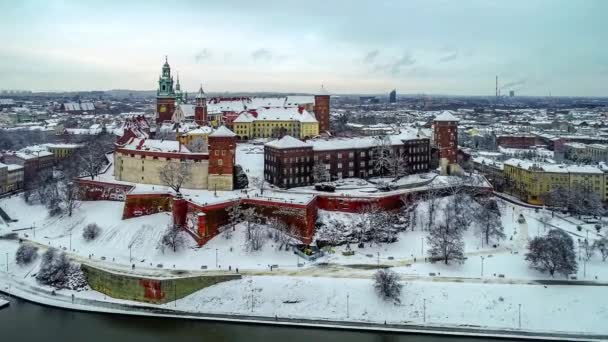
x=23 y=322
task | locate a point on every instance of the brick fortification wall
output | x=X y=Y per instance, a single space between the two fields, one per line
x=146 y=204
x=150 y=290
x=101 y=191
x=301 y=216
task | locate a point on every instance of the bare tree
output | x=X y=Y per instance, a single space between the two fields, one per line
x=54 y=269
x=587 y=248
x=251 y=217
x=431 y=197
x=489 y=220
x=235 y=214
x=602 y=246
x=552 y=253
x=259 y=183
x=174 y=174
x=91 y=158
x=70 y=195
x=398 y=164
x=172 y=238
x=257 y=238
x=320 y=172
x=198 y=145
x=284 y=233
x=381 y=155
x=25 y=254
x=445 y=243
x=387 y=285
x=91 y=232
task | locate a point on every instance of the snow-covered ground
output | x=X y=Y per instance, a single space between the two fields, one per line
x=548 y=308
x=141 y=233
x=455 y=295
x=406 y=255
x=251 y=158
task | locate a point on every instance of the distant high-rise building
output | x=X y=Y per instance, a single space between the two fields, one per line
x=511 y=93
x=392 y=96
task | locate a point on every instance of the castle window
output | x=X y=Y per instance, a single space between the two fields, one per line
x=220 y=162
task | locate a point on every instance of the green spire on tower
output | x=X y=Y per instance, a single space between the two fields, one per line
x=165 y=81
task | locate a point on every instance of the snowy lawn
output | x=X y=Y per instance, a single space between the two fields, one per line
x=548 y=308
x=141 y=233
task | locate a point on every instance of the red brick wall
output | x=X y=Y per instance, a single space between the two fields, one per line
x=516 y=141
x=322 y=112
x=446 y=139
x=221 y=148
x=200 y=113
x=146 y=204
x=101 y=191
x=169 y=104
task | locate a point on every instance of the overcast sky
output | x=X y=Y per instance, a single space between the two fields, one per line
x=433 y=47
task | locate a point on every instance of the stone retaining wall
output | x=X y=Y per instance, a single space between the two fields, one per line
x=148 y=289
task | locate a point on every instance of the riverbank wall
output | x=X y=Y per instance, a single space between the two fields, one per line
x=149 y=289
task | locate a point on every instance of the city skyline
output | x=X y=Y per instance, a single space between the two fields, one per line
x=536 y=48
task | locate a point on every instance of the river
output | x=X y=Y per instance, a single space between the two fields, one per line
x=23 y=322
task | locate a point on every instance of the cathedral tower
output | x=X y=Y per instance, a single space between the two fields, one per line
x=200 y=110
x=165 y=95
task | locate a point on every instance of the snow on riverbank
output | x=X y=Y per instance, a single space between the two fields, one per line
x=548 y=308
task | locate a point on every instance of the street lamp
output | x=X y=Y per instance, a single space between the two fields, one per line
x=347 y=311
x=422 y=246
x=519 y=316
x=424 y=310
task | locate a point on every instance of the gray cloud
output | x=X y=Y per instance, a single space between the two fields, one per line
x=202 y=55
x=516 y=84
x=262 y=55
x=449 y=57
x=405 y=60
x=370 y=57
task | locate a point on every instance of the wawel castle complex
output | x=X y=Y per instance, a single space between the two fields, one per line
x=206 y=133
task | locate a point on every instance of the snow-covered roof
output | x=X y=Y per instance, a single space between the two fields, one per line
x=187 y=109
x=219 y=105
x=488 y=161
x=155 y=145
x=13 y=167
x=75 y=106
x=297 y=100
x=222 y=131
x=244 y=117
x=257 y=102
x=363 y=142
x=287 y=142
x=553 y=168
x=322 y=91
x=201 y=93
x=59 y=145
x=446 y=116
x=200 y=130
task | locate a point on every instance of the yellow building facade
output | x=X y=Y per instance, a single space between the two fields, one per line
x=273 y=122
x=530 y=181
